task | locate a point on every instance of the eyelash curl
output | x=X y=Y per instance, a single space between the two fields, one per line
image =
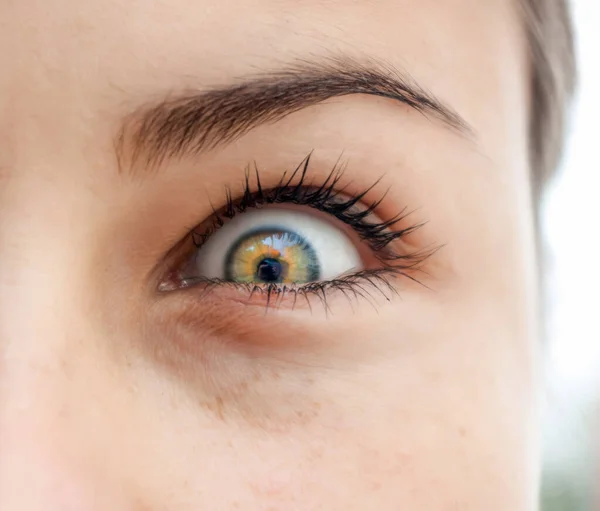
x=328 y=197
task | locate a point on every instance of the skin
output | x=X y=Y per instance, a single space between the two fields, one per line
x=113 y=396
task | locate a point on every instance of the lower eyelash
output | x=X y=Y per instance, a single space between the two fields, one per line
x=354 y=286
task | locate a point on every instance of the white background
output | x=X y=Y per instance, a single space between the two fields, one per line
x=572 y=226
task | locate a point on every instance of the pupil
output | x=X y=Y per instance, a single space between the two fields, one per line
x=269 y=270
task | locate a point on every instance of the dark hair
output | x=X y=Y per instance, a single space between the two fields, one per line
x=552 y=82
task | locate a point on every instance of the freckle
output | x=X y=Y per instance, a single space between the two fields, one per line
x=316 y=405
x=462 y=432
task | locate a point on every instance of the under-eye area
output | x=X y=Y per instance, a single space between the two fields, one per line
x=298 y=244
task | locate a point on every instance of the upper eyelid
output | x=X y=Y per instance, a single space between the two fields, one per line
x=194 y=122
x=377 y=234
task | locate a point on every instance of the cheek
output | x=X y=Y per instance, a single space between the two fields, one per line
x=369 y=434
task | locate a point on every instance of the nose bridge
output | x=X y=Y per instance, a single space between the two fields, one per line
x=37 y=469
x=34 y=383
x=35 y=371
x=46 y=366
x=35 y=294
x=39 y=426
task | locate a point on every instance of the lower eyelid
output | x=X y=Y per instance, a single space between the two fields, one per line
x=374 y=288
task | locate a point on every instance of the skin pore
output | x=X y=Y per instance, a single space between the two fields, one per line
x=420 y=394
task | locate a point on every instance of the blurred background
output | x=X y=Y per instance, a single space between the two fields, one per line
x=571 y=220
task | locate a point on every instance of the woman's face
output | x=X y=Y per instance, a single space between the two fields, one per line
x=183 y=328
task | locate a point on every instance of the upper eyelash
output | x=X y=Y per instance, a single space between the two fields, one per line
x=328 y=197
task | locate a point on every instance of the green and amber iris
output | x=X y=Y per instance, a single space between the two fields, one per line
x=273 y=256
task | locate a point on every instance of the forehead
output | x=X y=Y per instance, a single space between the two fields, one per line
x=72 y=56
x=217 y=38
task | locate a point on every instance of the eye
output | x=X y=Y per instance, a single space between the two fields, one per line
x=302 y=237
x=276 y=246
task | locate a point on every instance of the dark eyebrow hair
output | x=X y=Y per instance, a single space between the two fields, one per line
x=201 y=120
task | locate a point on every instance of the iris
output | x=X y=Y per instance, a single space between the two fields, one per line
x=272 y=256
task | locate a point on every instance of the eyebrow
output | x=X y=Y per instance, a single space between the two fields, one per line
x=197 y=121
